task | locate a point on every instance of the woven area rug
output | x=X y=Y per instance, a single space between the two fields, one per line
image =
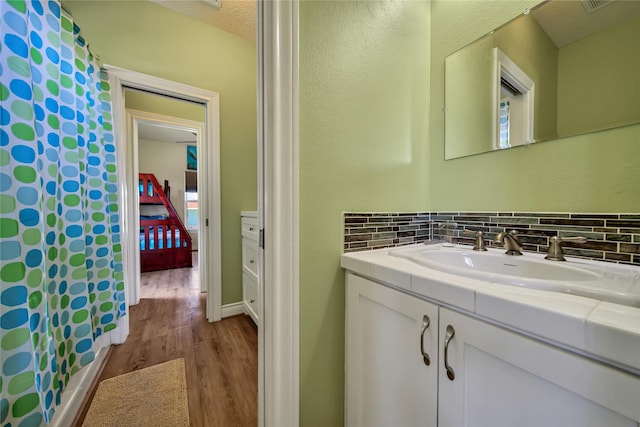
x=154 y=396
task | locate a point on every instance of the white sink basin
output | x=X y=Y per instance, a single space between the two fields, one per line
x=603 y=281
x=491 y=262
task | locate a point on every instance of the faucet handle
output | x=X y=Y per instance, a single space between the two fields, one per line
x=479 y=244
x=555 y=252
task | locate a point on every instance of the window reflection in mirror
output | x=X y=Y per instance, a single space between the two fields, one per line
x=583 y=66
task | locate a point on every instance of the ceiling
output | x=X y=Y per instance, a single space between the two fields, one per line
x=161 y=133
x=568 y=21
x=234 y=16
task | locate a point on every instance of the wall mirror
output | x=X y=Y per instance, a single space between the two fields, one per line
x=566 y=67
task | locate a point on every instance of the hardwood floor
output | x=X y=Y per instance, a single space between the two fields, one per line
x=221 y=358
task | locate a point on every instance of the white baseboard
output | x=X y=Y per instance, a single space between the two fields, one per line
x=76 y=391
x=232 y=309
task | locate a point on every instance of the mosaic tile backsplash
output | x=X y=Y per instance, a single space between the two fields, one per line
x=610 y=237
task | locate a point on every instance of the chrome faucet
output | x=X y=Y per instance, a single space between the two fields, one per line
x=510 y=242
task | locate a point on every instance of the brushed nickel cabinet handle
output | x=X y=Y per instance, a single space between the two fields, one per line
x=425 y=324
x=450 y=333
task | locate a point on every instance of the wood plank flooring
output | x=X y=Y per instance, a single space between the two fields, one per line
x=221 y=358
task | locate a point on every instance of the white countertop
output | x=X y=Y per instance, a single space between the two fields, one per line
x=606 y=331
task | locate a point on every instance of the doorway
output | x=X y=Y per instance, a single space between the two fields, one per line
x=167 y=147
x=123 y=81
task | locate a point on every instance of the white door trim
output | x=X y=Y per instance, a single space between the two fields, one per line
x=278 y=340
x=120 y=79
x=504 y=67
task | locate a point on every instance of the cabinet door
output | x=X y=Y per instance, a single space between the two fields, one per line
x=501 y=378
x=388 y=381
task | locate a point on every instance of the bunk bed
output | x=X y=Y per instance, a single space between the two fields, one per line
x=164 y=240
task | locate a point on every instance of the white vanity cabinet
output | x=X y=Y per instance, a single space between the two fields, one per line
x=502 y=378
x=250 y=270
x=487 y=375
x=389 y=381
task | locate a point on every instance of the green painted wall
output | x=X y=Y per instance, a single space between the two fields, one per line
x=163 y=105
x=363 y=146
x=145 y=37
x=596 y=172
x=608 y=64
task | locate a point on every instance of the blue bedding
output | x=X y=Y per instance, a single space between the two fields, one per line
x=143 y=217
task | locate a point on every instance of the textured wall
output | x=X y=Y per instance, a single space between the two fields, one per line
x=145 y=37
x=363 y=145
x=596 y=172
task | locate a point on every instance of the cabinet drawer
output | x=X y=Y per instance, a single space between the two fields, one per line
x=250 y=228
x=250 y=258
x=250 y=296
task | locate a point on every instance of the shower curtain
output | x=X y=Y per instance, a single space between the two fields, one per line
x=60 y=255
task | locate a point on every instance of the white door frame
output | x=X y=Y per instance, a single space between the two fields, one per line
x=278 y=339
x=210 y=154
x=134 y=118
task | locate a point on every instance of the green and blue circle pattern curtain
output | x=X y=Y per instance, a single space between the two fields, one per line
x=60 y=255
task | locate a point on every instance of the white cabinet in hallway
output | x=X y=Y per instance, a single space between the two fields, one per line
x=250 y=269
